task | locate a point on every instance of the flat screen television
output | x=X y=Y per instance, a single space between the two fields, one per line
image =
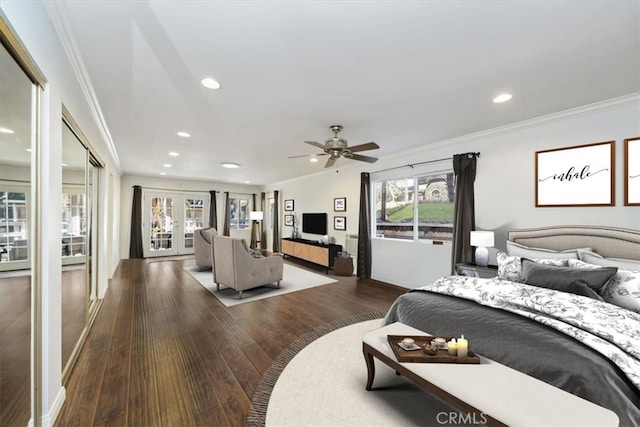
x=314 y=223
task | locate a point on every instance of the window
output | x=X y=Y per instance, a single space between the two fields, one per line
x=13 y=226
x=415 y=208
x=239 y=214
x=73 y=224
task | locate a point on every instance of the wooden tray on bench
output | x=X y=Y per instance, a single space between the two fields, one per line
x=419 y=356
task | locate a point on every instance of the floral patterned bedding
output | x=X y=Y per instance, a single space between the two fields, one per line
x=612 y=331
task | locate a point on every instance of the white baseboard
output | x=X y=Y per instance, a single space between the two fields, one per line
x=49 y=419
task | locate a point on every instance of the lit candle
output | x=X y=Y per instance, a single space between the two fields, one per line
x=453 y=347
x=463 y=347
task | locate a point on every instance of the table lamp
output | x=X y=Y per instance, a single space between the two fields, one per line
x=256 y=238
x=482 y=240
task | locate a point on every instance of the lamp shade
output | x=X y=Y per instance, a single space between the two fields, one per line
x=481 y=239
x=256 y=215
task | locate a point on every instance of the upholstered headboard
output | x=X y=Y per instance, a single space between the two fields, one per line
x=610 y=242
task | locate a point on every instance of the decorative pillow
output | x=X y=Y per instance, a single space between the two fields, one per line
x=208 y=234
x=622 y=290
x=517 y=249
x=594 y=258
x=256 y=253
x=510 y=267
x=566 y=279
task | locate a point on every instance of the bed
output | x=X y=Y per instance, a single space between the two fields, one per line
x=565 y=308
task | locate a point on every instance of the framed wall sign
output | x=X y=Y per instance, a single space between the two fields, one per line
x=581 y=175
x=632 y=171
x=339 y=222
x=288 y=220
x=288 y=205
x=340 y=204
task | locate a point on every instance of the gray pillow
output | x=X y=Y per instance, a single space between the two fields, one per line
x=581 y=281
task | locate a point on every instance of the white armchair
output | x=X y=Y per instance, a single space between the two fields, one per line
x=236 y=268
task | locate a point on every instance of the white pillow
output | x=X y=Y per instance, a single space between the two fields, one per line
x=517 y=249
x=510 y=267
x=623 y=289
x=594 y=258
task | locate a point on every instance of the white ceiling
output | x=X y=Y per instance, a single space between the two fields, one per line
x=402 y=73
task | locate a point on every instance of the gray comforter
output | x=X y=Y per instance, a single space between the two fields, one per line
x=523 y=343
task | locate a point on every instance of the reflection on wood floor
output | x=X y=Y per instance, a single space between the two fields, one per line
x=164 y=352
x=15 y=348
x=15 y=337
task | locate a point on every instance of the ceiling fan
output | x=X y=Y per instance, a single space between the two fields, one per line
x=337 y=147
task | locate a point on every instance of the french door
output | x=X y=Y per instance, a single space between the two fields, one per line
x=169 y=221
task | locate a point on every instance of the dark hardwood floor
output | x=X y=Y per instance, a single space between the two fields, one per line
x=165 y=352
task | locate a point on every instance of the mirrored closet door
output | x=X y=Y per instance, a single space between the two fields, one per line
x=79 y=214
x=17 y=141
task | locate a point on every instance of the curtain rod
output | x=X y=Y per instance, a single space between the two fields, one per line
x=411 y=165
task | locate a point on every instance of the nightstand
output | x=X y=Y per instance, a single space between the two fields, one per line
x=472 y=270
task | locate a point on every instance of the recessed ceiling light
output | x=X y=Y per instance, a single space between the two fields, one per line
x=162 y=173
x=173 y=154
x=210 y=83
x=27 y=149
x=314 y=159
x=6 y=130
x=247 y=182
x=504 y=97
x=167 y=165
x=230 y=165
x=184 y=134
x=64 y=165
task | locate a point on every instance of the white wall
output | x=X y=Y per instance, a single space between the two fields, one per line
x=33 y=26
x=504 y=186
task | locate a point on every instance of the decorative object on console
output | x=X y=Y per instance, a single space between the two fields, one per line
x=337 y=147
x=576 y=176
x=256 y=218
x=482 y=240
x=288 y=205
x=340 y=204
x=339 y=222
x=632 y=172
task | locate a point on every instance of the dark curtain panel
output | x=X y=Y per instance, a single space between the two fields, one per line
x=276 y=223
x=263 y=233
x=135 y=245
x=213 y=211
x=227 y=214
x=364 y=228
x=464 y=167
x=254 y=232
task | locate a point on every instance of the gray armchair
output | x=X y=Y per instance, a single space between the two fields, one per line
x=203 y=247
x=236 y=268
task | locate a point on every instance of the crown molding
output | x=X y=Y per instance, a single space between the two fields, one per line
x=59 y=18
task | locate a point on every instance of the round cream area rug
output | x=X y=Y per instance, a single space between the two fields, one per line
x=323 y=384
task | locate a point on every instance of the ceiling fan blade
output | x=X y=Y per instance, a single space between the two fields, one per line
x=308 y=155
x=364 y=147
x=315 y=144
x=330 y=162
x=368 y=159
